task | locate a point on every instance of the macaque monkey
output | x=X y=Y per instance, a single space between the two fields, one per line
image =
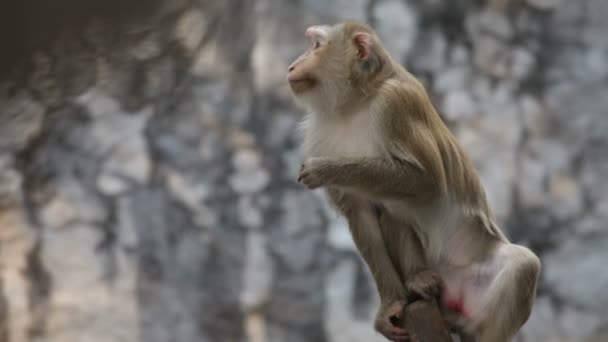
x=414 y=203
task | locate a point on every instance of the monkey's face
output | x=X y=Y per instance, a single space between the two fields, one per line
x=303 y=74
x=335 y=65
x=319 y=77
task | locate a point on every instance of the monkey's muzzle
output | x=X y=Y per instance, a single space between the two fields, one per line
x=299 y=85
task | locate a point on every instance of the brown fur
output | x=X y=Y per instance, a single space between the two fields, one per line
x=414 y=202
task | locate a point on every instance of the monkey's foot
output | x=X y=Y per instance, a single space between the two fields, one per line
x=389 y=319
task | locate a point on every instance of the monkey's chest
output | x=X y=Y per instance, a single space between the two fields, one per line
x=355 y=137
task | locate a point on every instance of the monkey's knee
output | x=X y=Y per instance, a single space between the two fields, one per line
x=514 y=295
x=528 y=272
x=523 y=264
x=531 y=265
x=527 y=267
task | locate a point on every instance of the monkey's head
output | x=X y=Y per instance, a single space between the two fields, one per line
x=340 y=64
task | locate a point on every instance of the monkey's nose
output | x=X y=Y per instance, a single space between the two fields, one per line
x=291 y=68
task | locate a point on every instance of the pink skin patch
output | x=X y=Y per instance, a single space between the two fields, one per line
x=456 y=305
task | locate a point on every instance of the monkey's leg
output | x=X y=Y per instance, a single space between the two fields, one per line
x=422 y=318
x=378 y=177
x=365 y=230
x=493 y=298
x=508 y=301
x=403 y=245
x=406 y=252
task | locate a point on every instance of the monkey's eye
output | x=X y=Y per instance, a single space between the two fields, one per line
x=316 y=45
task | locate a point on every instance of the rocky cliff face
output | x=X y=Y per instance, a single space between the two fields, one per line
x=147 y=165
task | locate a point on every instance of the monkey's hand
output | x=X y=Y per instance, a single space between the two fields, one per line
x=388 y=320
x=315 y=172
x=424 y=285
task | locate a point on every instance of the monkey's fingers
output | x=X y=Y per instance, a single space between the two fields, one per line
x=302 y=176
x=309 y=180
x=392 y=333
x=398 y=335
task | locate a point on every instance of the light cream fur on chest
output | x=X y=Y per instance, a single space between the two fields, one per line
x=340 y=136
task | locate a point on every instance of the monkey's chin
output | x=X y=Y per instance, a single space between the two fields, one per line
x=299 y=86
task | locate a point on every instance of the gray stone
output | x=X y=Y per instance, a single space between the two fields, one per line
x=553 y=153
x=595 y=222
x=269 y=71
x=10 y=183
x=338 y=10
x=160 y=151
x=340 y=324
x=249 y=214
x=58 y=213
x=43 y=82
x=489 y=56
x=77 y=282
x=339 y=235
x=396 y=26
x=190 y=192
x=594 y=168
x=429 y=55
x=98 y=103
x=568 y=270
x=491 y=20
x=73 y=64
x=159 y=79
x=126 y=229
x=117 y=137
x=522 y=63
x=458 y=106
x=533 y=115
x=249 y=176
x=20 y=120
x=190 y=29
x=579 y=325
x=459 y=55
x=566 y=198
x=259 y=273
x=543 y=323
x=147 y=48
x=481 y=87
x=531 y=185
x=72 y=204
x=544 y=4
x=452 y=79
x=497 y=176
x=300 y=215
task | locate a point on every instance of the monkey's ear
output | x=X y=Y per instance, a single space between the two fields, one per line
x=363 y=44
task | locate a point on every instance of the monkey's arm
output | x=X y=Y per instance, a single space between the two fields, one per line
x=411 y=168
x=379 y=177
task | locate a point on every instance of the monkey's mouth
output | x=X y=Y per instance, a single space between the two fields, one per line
x=300 y=84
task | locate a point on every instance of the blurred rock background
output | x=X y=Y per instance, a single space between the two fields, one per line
x=147 y=159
